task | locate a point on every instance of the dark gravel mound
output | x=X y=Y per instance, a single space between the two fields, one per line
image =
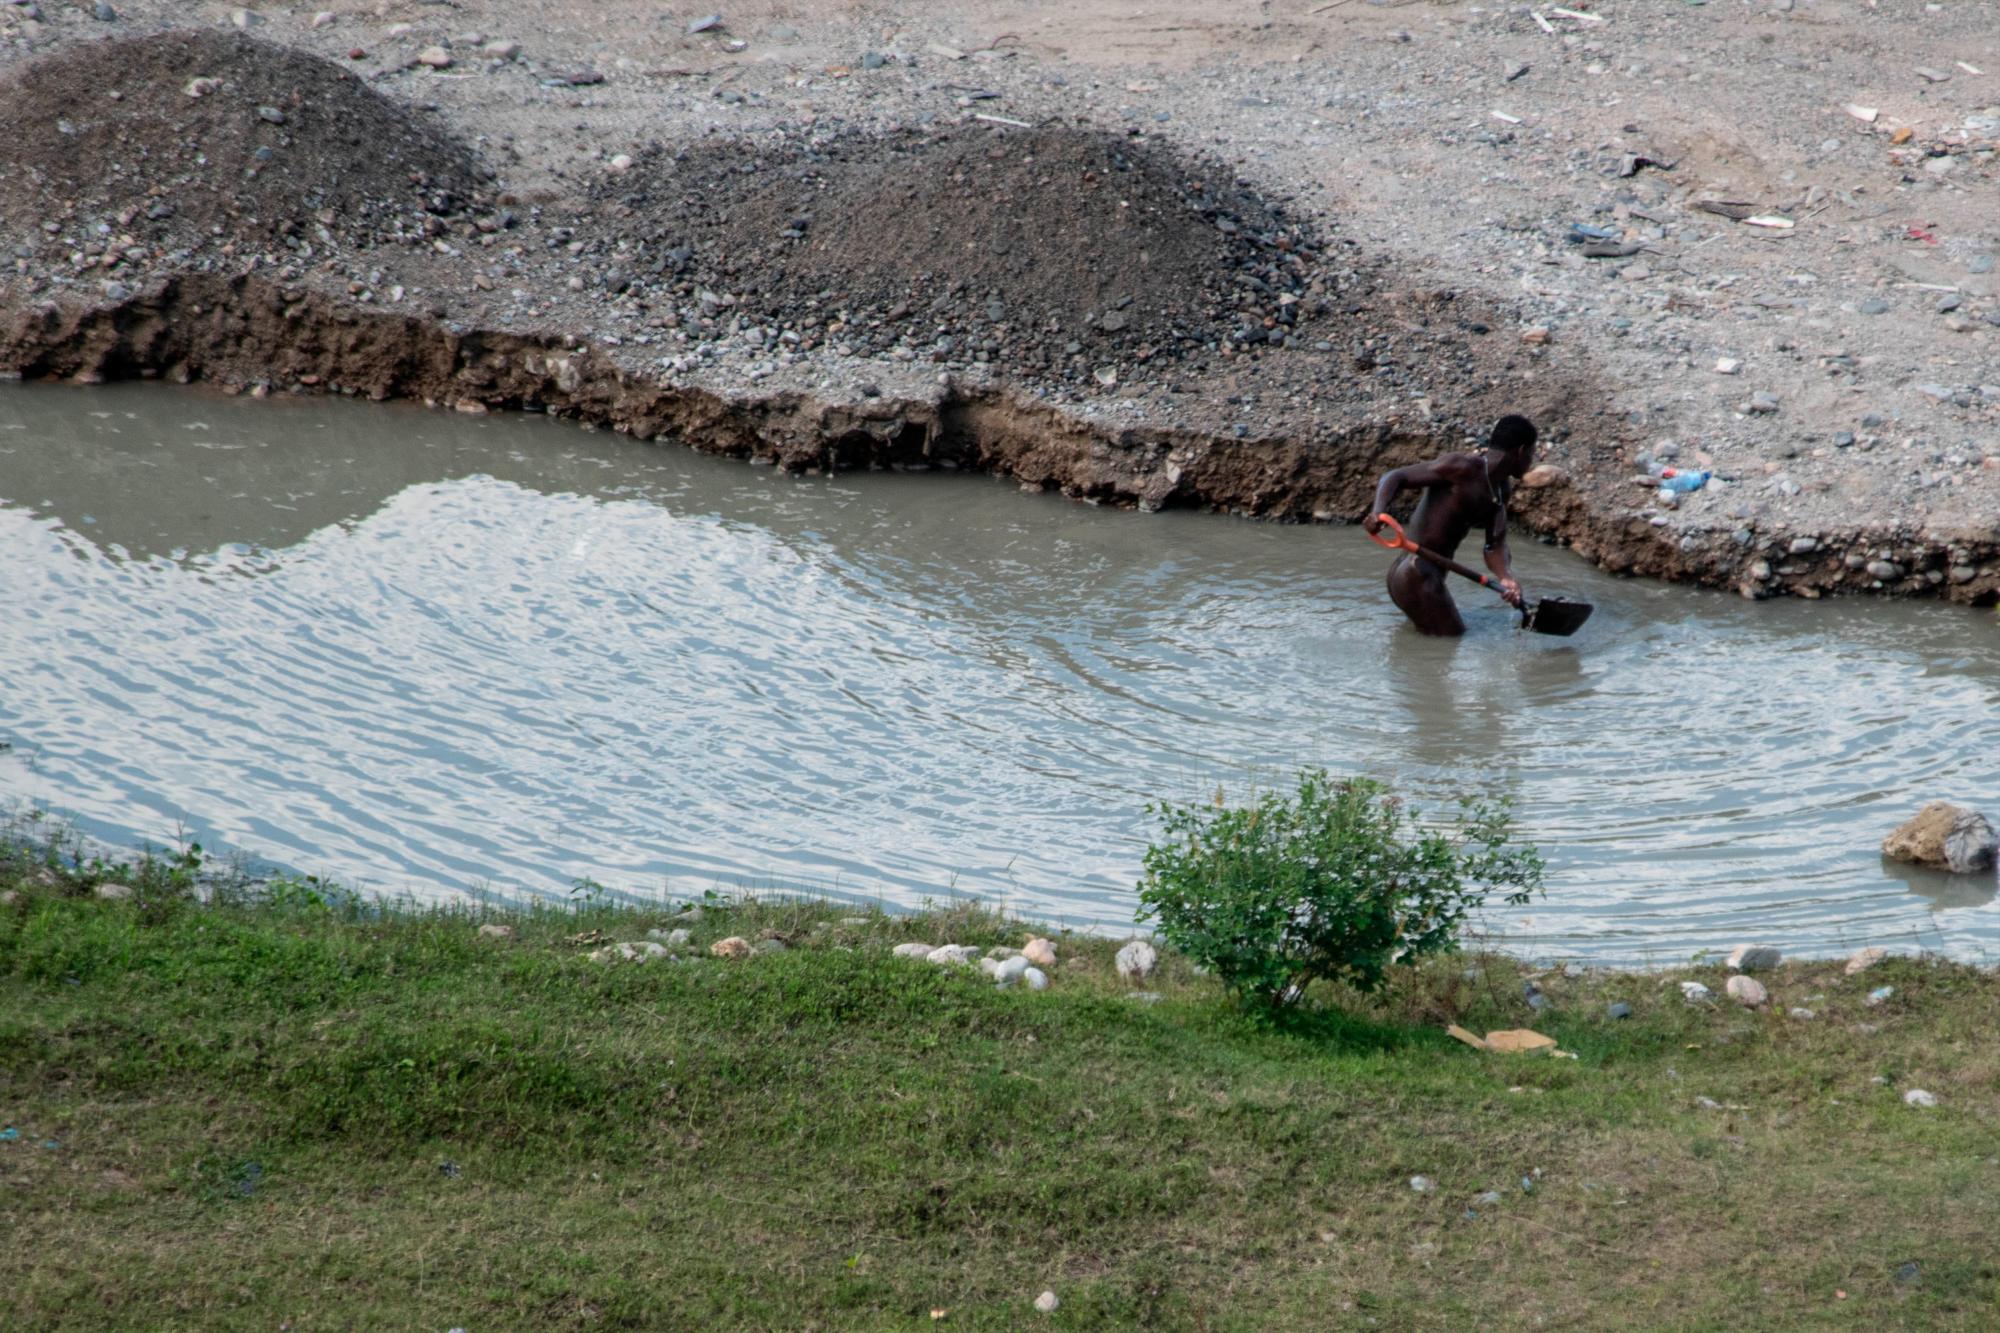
x=1051 y=250
x=168 y=136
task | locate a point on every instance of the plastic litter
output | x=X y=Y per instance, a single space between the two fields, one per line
x=9 y=1134
x=1679 y=481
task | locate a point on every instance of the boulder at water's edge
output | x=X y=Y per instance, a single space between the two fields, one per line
x=1944 y=836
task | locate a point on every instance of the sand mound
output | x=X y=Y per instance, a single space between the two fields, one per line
x=176 y=133
x=1052 y=249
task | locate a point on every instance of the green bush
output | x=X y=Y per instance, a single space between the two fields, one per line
x=1338 y=881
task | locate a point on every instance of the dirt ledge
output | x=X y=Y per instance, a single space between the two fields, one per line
x=246 y=332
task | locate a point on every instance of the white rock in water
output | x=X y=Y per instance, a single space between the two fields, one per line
x=912 y=950
x=1039 y=952
x=1748 y=992
x=113 y=892
x=1010 y=970
x=495 y=932
x=1754 y=958
x=957 y=955
x=1036 y=978
x=1863 y=959
x=1047 y=1302
x=1137 y=960
x=1694 y=992
x=1918 y=1097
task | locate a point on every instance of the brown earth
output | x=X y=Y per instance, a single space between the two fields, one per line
x=965 y=259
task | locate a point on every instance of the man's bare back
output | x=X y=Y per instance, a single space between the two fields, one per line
x=1461 y=492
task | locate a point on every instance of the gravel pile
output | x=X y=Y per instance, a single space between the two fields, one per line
x=1050 y=251
x=197 y=138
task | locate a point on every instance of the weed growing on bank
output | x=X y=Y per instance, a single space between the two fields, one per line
x=1333 y=882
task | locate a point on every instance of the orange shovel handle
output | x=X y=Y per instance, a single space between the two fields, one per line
x=1397 y=542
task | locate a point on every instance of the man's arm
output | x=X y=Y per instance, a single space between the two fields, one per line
x=1418 y=476
x=1498 y=558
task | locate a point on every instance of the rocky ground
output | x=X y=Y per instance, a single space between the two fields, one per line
x=1182 y=254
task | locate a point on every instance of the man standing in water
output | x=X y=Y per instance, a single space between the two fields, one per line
x=1460 y=491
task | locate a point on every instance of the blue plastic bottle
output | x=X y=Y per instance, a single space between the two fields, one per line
x=1681 y=482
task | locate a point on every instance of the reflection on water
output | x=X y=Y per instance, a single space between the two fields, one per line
x=452 y=655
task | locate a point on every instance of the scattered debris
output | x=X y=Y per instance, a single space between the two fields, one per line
x=1918 y=1097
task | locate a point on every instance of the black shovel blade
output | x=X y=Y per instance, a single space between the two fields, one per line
x=1556 y=615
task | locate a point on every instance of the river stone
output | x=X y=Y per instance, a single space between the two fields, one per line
x=1137 y=960
x=1863 y=959
x=912 y=950
x=1010 y=970
x=491 y=931
x=1039 y=952
x=113 y=892
x=1748 y=992
x=635 y=951
x=1754 y=958
x=1945 y=836
x=1036 y=978
x=733 y=947
x=953 y=955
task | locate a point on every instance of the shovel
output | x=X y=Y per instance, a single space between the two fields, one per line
x=1551 y=615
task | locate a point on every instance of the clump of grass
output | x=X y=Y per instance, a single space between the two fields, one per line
x=295 y=1105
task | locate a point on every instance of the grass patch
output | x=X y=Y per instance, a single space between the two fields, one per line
x=297 y=1107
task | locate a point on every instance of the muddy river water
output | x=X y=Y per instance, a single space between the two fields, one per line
x=458 y=656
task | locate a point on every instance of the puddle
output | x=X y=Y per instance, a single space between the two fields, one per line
x=449 y=655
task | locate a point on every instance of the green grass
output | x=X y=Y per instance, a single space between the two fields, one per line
x=294 y=1114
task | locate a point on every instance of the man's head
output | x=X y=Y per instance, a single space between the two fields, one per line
x=1514 y=437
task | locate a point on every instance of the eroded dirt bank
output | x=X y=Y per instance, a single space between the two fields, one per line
x=249 y=334
x=1098 y=309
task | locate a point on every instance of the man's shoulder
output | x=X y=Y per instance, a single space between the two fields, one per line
x=1459 y=467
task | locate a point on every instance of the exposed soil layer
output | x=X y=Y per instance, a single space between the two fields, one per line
x=1051 y=251
x=240 y=332
x=172 y=135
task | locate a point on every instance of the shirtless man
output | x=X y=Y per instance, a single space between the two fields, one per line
x=1461 y=491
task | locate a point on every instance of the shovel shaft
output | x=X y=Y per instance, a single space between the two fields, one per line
x=1400 y=542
